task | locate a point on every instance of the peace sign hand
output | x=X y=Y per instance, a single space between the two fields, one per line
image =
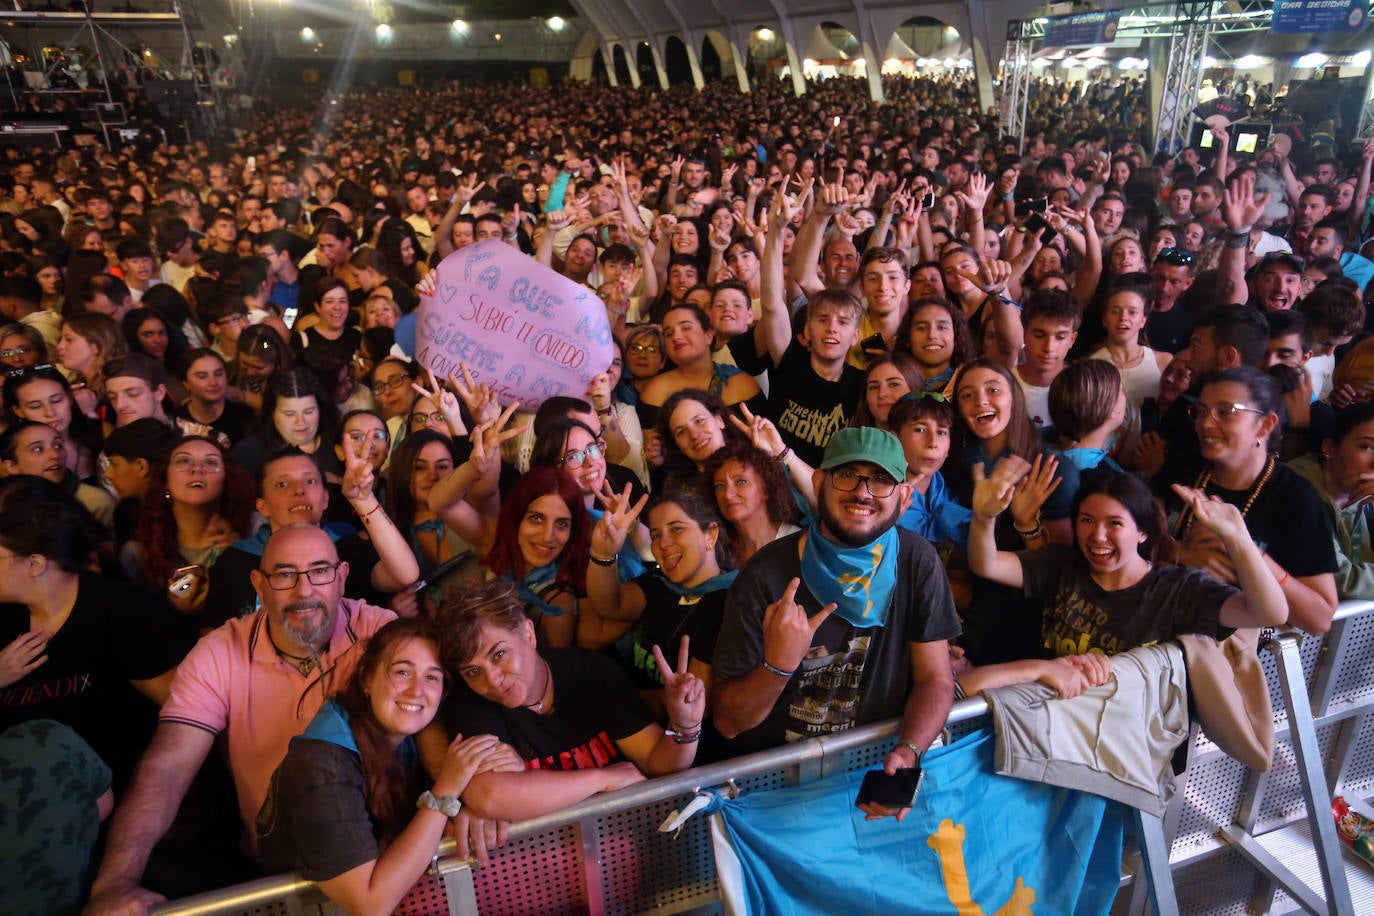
x=488 y=437
x=787 y=631
x=481 y=401
x=445 y=400
x=684 y=695
x=359 y=477
x=763 y=435
x=608 y=537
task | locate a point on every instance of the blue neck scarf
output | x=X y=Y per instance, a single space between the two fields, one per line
x=939 y=382
x=631 y=566
x=1085 y=459
x=935 y=516
x=535 y=579
x=859 y=581
x=718 y=582
x=331 y=724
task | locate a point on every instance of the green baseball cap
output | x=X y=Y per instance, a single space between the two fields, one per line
x=866 y=443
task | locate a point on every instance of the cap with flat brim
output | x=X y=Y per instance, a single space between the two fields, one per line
x=866 y=444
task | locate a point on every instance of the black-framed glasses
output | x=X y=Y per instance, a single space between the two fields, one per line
x=1221 y=411
x=847 y=480
x=380 y=385
x=575 y=459
x=1179 y=257
x=281 y=580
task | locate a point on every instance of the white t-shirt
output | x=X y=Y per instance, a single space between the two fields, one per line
x=1037 y=401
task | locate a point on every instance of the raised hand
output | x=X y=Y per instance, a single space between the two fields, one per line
x=1221 y=518
x=1242 y=207
x=428 y=285
x=991 y=495
x=488 y=436
x=445 y=400
x=599 y=392
x=787 y=631
x=684 y=694
x=619 y=519
x=467 y=189
x=719 y=240
x=482 y=403
x=557 y=219
x=977 y=195
x=834 y=198
x=22 y=655
x=763 y=435
x=1033 y=489
x=359 y=477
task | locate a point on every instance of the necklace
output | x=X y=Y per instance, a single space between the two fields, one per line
x=1185 y=520
x=302 y=663
x=545 y=692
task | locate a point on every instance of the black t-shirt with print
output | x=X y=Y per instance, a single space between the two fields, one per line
x=116 y=633
x=1081 y=616
x=850 y=676
x=594 y=706
x=808 y=409
x=1287 y=519
x=666 y=619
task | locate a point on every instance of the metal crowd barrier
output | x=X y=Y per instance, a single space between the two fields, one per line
x=1232 y=842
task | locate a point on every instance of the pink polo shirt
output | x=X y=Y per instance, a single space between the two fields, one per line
x=234 y=679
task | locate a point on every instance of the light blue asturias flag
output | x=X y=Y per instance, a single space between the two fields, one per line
x=974 y=843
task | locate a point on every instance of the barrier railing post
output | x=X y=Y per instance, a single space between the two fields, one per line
x=1315 y=794
x=1154 y=862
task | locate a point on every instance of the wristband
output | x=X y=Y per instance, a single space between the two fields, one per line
x=600 y=562
x=686 y=736
x=1028 y=536
x=368 y=514
x=774 y=669
x=782 y=455
x=1237 y=242
x=447 y=805
x=1286 y=576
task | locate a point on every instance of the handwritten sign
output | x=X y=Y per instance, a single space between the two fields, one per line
x=519 y=326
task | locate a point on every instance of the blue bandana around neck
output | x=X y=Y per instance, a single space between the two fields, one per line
x=718 y=582
x=331 y=724
x=630 y=565
x=935 y=515
x=859 y=581
x=527 y=586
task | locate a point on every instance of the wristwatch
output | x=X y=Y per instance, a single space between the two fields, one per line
x=447 y=805
x=911 y=745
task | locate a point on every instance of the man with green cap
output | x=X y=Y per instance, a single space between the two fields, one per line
x=841 y=624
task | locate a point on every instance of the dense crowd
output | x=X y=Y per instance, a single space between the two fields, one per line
x=899 y=410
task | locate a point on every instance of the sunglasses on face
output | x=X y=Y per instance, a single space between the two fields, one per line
x=1180 y=257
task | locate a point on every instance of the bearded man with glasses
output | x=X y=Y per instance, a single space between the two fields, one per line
x=843 y=624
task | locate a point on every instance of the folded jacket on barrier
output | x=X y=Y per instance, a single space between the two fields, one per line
x=1115 y=740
